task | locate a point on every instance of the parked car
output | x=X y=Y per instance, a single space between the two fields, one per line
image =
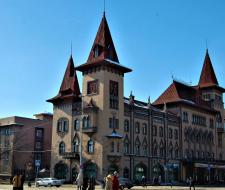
x=125 y=183
x=48 y=182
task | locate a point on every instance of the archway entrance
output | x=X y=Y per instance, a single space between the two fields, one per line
x=139 y=171
x=61 y=170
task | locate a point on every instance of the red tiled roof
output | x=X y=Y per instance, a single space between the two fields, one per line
x=70 y=82
x=104 y=42
x=181 y=93
x=69 y=86
x=208 y=77
x=176 y=92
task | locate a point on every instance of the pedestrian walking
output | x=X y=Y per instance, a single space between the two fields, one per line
x=79 y=180
x=143 y=181
x=108 y=182
x=16 y=181
x=22 y=179
x=115 y=181
x=85 y=183
x=191 y=183
x=91 y=185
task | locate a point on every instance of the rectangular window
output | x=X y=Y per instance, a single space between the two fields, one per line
x=113 y=123
x=114 y=94
x=38 y=145
x=92 y=87
x=185 y=117
x=110 y=123
x=39 y=133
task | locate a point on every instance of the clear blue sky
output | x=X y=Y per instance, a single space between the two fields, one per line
x=156 y=38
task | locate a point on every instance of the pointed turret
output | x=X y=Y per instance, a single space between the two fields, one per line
x=208 y=77
x=103 y=47
x=69 y=86
x=70 y=81
x=103 y=53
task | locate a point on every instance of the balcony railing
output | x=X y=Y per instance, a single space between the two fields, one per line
x=89 y=129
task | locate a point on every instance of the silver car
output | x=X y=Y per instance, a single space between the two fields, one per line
x=48 y=182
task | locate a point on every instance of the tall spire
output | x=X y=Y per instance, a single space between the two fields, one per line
x=208 y=76
x=103 y=47
x=69 y=87
x=70 y=81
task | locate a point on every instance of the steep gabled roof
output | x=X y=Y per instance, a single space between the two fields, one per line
x=208 y=77
x=169 y=95
x=104 y=43
x=176 y=92
x=103 y=52
x=69 y=86
x=70 y=81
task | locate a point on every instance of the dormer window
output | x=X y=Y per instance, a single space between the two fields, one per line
x=97 y=50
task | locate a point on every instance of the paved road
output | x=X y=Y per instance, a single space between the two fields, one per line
x=70 y=187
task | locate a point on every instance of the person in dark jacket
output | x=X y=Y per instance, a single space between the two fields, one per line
x=91 y=185
x=22 y=179
x=85 y=183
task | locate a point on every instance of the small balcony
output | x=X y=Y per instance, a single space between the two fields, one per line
x=89 y=129
x=71 y=155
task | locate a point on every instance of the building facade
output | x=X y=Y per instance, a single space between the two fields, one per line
x=22 y=141
x=107 y=131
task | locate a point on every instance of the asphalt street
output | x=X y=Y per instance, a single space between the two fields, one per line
x=69 y=187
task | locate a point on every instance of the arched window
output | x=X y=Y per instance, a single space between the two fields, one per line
x=161 y=149
x=170 y=133
x=126 y=147
x=145 y=149
x=126 y=172
x=171 y=150
x=62 y=148
x=126 y=125
x=160 y=131
x=176 y=134
x=137 y=127
x=76 y=144
x=63 y=125
x=144 y=128
x=176 y=151
x=137 y=146
x=155 y=149
x=76 y=124
x=90 y=146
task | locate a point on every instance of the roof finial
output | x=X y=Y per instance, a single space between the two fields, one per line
x=149 y=102
x=71 y=48
x=206 y=44
x=104 y=8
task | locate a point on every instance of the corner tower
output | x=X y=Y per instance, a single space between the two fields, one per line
x=63 y=154
x=103 y=86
